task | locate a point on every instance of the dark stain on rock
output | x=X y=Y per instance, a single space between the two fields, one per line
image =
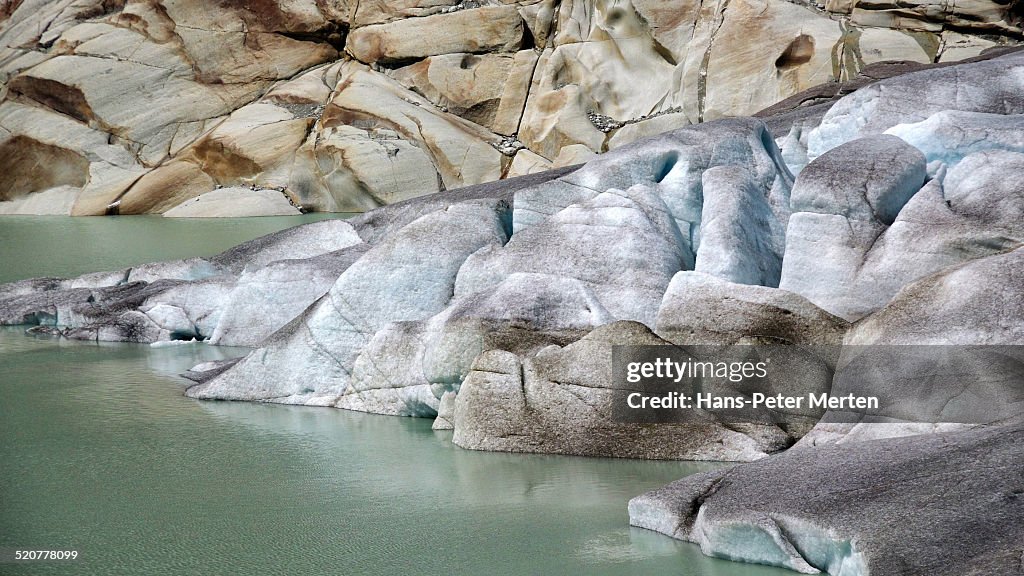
x=800 y=51
x=223 y=163
x=482 y=113
x=63 y=98
x=31 y=166
x=335 y=115
x=263 y=15
x=8 y=8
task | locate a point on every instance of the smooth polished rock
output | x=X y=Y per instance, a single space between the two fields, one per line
x=234 y=203
x=485 y=29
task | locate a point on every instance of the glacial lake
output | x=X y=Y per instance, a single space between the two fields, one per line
x=100 y=452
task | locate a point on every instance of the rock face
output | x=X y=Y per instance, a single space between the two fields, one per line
x=943 y=504
x=140 y=106
x=486 y=29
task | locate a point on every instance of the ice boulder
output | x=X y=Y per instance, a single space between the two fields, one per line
x=842 y=202
x=560 y=400
x=702 y=309
x=942 y=504
x=408 y=367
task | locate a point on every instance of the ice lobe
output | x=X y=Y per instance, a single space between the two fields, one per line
x=993 y=86
x=276 y=293
x=672 y=165
x=860 y=232
x=949 y=136
x=737 y=242
x=408 y=367
x=408 y=276
x=620 y=245
x=941 y=504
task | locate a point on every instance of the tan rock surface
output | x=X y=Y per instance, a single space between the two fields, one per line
x=467 y=85
x=486 y=29
x=134 y=106
x=233 y=203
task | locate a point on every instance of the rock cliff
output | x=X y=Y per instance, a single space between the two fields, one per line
x=140 y=106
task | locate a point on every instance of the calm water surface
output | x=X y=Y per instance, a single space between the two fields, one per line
x=34 y=246
x=100 y=452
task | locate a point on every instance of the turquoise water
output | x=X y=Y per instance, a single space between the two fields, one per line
x=100 y=452
x=34 y=246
